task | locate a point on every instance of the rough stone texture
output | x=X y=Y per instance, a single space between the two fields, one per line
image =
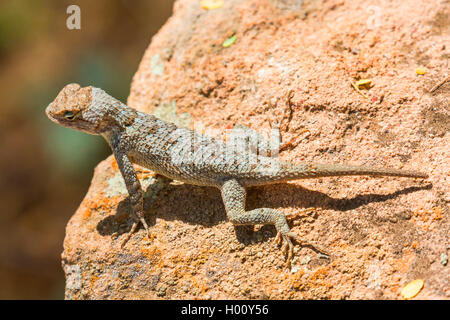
x=382 y=232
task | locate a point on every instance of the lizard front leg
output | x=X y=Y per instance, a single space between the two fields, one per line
x=234 y=195
x=134 y=190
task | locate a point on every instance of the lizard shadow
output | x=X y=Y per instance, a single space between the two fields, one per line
x=191 y=204
x=301 y=197
x=197 y=205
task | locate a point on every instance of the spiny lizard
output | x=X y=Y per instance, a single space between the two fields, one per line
x=184 y=155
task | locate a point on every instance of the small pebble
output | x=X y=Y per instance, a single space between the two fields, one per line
x=295 y=269
x=161 y=291
x=444 y=259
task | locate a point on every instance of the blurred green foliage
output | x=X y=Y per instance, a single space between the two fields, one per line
x=19 y=21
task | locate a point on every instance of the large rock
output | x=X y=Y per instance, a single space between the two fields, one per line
x=381 y=232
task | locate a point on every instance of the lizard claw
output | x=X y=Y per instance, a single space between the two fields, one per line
x=314 y=246
x=278 y=239
x=288 y=246
x=133 y=230
x=130 y=233
x=146 y=227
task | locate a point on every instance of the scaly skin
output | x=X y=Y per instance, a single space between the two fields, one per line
x=184 y=155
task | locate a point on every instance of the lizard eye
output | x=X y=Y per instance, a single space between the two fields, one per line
x=69 y=115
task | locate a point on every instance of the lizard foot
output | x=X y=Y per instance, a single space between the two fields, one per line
x=288 y=246
x=133 y=230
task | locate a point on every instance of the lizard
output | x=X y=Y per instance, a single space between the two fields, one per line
x=184 y=155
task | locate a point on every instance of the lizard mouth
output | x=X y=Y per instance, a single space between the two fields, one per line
x=51 y=115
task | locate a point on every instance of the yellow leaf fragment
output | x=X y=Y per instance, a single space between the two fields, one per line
x=363 y=82
x=229 y=41
x=212 y=4
x=359 y=91
x=412 y=289
x=421 y=71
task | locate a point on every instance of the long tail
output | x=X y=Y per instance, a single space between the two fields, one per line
x=328 y=170
x=285 y=171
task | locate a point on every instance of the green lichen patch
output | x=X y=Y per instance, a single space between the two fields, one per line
x=115 y=186
x=168 y=112
x=157 y=65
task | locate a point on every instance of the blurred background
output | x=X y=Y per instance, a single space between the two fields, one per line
x=46 y=169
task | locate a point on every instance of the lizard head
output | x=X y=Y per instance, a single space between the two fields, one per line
x=80 y=108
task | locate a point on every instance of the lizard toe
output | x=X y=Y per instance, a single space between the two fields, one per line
x=314 y=246
x=130 y=233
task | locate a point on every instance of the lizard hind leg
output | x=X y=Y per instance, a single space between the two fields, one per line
x=234 y=195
